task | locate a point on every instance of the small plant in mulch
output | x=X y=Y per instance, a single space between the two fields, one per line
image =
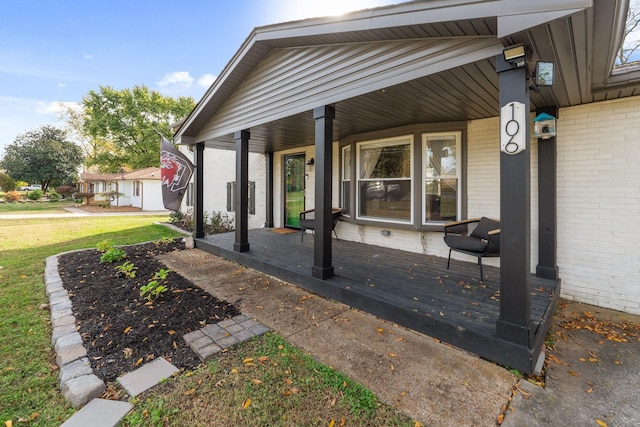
x=119 y=327
x=113 y=255
x=155 y=287
x=127 y=269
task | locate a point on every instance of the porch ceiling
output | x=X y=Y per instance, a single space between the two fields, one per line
x=582 y=44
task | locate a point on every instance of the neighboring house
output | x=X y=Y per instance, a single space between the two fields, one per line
x=140 y=188
x=399 y=108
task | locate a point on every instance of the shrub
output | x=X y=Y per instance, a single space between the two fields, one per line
x=65 y=190
x=35 y=195
x=218 y=222
x=104 y=245
x=12 y=196
x=54 y=196
x=113 y=255
x=84 y=196
x=112 y=195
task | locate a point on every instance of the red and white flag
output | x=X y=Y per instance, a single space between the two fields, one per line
x=175 y=172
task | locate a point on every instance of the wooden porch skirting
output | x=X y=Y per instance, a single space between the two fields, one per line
x=413 y=290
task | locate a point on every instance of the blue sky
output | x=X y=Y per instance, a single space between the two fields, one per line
x=56 y=51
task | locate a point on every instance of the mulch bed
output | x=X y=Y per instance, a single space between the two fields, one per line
x=120 y=329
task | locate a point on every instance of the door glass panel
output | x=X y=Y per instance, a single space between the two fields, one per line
x=294 y=189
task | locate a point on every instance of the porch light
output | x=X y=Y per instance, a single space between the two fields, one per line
x=515 y=55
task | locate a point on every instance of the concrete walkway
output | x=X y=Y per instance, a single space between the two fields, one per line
x=76 y=212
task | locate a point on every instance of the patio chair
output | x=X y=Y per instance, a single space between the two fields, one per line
x=307 y=221
x=483 y=241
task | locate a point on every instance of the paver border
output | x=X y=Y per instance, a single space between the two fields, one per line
x=77 y=380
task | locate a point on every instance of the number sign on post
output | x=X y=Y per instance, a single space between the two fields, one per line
x=512 y=128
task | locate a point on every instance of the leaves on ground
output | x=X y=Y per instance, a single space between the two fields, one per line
x=119 y=329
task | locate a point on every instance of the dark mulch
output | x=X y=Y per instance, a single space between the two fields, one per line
x=120 y=329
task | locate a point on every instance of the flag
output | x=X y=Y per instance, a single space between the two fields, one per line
x=175 y=173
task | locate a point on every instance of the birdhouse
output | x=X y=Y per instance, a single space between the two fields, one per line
x=544 y=126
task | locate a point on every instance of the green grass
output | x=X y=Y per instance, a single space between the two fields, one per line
x=29 y=388
x=36 y=207
x=285 y=385
x=263 y=382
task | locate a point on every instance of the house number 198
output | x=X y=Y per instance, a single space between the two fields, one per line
x=512 y=128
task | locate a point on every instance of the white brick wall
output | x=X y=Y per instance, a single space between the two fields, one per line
x=599 y=203
x=220 y=168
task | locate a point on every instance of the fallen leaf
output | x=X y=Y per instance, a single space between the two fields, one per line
x=573 y=373
x=332 y=423
x=234 y=371
x=246 y=404
x=139 y=361
x=247 y=360
x=256 y=381
x=127 y=329
x=399 y=339
x=263 y=358
x=288 y=381
x=418 y=424
x=380 y=330
x=189 y=392
x=601 y=423
x=8 y=423
x=172 y=332
x=500 y=419
x=393 y=355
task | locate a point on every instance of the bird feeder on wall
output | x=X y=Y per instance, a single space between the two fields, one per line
x=544 y=126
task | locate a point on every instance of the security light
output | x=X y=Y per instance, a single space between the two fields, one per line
x=544 y=73
x=515 y=54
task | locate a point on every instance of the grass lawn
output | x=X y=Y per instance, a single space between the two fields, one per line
x=263 y=382
x=35 y=207
x=28 y=374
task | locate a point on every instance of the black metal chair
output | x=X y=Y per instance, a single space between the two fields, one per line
x=307 y=221
x=483 y=241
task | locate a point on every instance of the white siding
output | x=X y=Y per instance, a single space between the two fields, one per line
x=294 y=80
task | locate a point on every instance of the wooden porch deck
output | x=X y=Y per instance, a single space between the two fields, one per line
x=414 y=290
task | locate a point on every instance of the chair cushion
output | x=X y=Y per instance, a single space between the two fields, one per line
x=484 y=227
x=465 y=243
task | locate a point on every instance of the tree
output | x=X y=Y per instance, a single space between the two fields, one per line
x=630 y=42
x=119 y=128
x=43 y=156
x=6 y=183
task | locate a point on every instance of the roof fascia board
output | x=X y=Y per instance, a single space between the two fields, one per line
x=415 y=14
x=511 y=24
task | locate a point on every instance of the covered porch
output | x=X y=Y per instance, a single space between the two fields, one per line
x=394 y=77
x=411 y=289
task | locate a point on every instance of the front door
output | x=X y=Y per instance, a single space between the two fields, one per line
x=294 y=179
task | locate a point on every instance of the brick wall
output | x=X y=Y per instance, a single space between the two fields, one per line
x=599 y=203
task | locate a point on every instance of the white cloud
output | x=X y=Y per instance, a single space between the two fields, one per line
x=62 y=85
x=206 y=80
x=21 y=115
x=87 y=56
x=176 y=79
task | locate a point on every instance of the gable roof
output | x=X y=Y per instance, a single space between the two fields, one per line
x=427 y=61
